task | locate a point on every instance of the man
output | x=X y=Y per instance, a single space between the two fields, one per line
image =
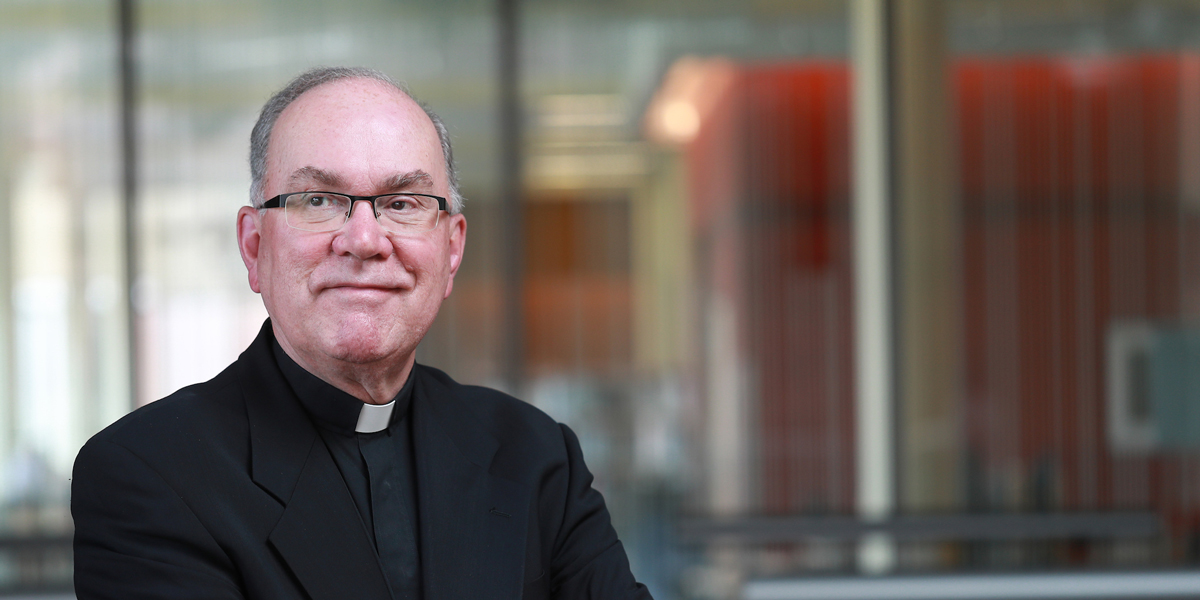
x=324 y=463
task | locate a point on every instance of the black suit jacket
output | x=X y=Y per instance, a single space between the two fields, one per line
x=226 y=490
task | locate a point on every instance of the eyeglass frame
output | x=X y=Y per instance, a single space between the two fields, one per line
x=279 y=200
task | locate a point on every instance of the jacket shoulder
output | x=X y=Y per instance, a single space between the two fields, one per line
x=523 y=431
x=491 y=403
x=208 y=414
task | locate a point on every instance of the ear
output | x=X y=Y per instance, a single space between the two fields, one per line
x=457 y=242
x=248 y=240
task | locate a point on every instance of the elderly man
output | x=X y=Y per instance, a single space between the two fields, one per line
x=325 y=463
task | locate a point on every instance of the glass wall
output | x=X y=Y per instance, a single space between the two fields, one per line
x=63 y=372
x=688 y=293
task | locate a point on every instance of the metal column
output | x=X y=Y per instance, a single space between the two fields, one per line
x=872 y=232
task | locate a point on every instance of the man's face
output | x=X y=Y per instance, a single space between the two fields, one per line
x=359 y=295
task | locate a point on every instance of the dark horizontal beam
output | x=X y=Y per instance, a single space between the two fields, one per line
x=18 y=543
x=958 y=527
x=57 y=591
x=1026 y=586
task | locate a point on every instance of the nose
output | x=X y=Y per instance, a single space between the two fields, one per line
x=362 y=236
x=370 y=207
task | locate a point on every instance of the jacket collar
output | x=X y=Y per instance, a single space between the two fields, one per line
x=472 y=524
x=287 y=459
x=281 y=434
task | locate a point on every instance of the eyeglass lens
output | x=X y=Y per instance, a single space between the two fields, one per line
x=328 y=212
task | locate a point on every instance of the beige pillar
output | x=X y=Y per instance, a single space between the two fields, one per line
x=874 y=379
x=8 y=388
x=929 y=248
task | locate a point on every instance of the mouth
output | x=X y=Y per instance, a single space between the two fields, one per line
x=363 y=290
x=361 y=285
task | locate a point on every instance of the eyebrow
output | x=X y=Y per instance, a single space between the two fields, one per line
x=311 y=173
x=407 y=180
x=398 y=181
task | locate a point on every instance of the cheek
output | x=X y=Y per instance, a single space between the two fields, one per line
x=284 y=272
x=268 y=279
x=426 y=257
x=431 y=268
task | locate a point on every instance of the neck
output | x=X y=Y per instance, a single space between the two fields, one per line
x=375 y=382
x=367 y=382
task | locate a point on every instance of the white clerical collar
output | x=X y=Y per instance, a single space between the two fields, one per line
x=374 y=417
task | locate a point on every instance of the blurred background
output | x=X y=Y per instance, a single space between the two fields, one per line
x=883 y=291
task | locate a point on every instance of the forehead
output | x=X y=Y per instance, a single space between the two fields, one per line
x=361 y=129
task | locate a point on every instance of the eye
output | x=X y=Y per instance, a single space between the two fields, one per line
x=400 y=203
x=318 y=201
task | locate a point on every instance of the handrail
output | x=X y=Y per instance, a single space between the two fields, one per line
x=947 y=527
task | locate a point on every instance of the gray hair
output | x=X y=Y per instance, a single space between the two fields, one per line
x=260 y=136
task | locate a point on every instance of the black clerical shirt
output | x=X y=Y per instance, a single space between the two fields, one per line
x=378 y=469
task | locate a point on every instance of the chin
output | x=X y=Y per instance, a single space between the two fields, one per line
x=361 y=350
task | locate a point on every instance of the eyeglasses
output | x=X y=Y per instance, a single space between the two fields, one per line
x=326 y=211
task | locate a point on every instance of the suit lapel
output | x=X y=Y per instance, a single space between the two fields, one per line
x=320 y=535
x=473 y=525
x=322 y=541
